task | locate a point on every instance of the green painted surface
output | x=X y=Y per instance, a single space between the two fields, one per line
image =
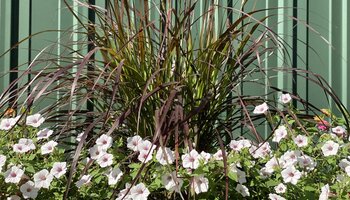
x=328 y=18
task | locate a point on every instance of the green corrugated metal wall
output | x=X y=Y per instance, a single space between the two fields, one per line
x=327 y=17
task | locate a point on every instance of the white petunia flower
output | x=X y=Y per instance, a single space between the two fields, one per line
x=330 y=148
x=145 y=156
x=28 y=190
x=96 y=152
x=306 y=162
x=200 y=184
x=276 y=197
x=171 y=182
x=123 y=193
x=285 y=98
x=280 y=133
x=48 y=147
x=133 y=142
x=344 y=163
x=243 y=190
x=340 y=177
x=271 y=165
x=35 y=120
x=301 y=141
x=44 y=133
x=241 y=175
x=146 y=146
x=261 y=109
x=13 y=197
x=114 y=176
x=86 y=160
x=291 y=175
x=219 y=155
x=104 y=141
x=325 y=191
x=245 y=143
x=338 y=130
x=20 y=148
x=236 y=145
x=7 y=123
x=28 y=142
x=261 y=151
x=347 y=170
x=165 y=157
x=2 y=161
x=86 y=179
x=105 y=160
x=13 y=175
x=43 y=179
x=265 y=173
x=59 y=169
x=190 y=160
x=139 y=192
x=204 y=156
x=280 y=188
x=289 y=158
x=79 y=136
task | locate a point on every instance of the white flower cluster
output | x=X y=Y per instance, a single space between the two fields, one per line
x=289 y=165
x=16 y=173
x=99 y=153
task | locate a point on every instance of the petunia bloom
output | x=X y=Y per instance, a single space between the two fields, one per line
x=146 y=146
x=28 y=190
x=7 y=123
x=171 y=182
x=59 y=169
x=104 y=141
x=44 y=133
x=165 y=156
x=114 y=176
x=133 y=142
x=243 y=190
x=105 y=160
x=96 y=152
x=280 y=188
x=306 y=162
x=330 y=148
x=325 y=191
x=339 y=130
x=261 y=109
x=276 y=197
x=86 y=179
x=291 y=175
x=2 y=161
x=285 y=98
x=13 y=175
x=200 y=184
x=35 y=120
x=48 y=147
x=280 y=133
x=43 y=179
x=139 y=192
x=301 y=141
x=20 y=148
x=190 y=160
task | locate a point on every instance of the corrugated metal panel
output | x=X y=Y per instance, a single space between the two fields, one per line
x=310 y=51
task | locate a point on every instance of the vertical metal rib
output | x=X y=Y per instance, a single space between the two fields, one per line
x=14 y=51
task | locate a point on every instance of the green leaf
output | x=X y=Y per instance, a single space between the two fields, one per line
x=271 y=183
x=309 y=188
x=232 y=176
x=135 y=165
x=31 y=157
x=30 y=169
